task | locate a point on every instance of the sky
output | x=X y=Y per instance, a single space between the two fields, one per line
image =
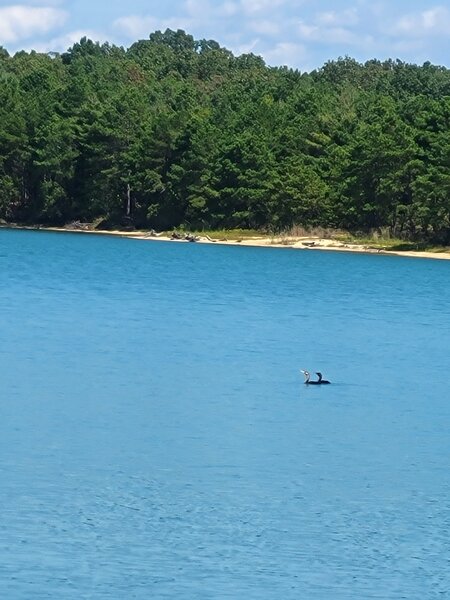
x=302 y=34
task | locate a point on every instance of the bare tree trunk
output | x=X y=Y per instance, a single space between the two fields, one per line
x=128 y=200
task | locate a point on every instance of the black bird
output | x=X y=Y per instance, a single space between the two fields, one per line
x=319 y=381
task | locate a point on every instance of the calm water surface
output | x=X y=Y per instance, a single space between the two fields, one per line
x=157 y=441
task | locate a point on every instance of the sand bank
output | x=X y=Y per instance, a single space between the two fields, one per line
x=297 y=243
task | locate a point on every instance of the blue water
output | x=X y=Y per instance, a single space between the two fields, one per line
x=157 y=441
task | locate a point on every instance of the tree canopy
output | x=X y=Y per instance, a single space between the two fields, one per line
x=180 y=132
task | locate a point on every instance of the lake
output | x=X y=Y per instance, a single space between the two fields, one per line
x=157 y=440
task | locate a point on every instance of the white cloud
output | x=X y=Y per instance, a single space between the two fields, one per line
x=19 y=22
x=336 y=35
x=135 y=26
x=228 y=9
x=69 y=39
x=435 y=21
x=255 y=6
x=44 y=2
x=376 y=9
x=247 y=48
x=206 y=11
x=202 y=17
x=333 y=27
x=286 y=53
x=198 y=8
x=308 y=32
x=410 y=46
x=63 y=42
x=346 y=18
x=265 y=27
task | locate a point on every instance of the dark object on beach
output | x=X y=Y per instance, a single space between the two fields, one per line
x=190 y=238
x=79 y=226
x=320 y=380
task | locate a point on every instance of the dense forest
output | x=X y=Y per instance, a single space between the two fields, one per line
x=174 y=132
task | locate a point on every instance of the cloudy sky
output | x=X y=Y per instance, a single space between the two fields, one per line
x=298 y=33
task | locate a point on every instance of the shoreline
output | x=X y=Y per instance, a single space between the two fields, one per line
x=295 y=243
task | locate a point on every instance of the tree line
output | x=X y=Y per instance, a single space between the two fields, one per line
x=179 y=132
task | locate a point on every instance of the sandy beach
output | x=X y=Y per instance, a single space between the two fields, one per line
x=306 y=243
x=296 y=243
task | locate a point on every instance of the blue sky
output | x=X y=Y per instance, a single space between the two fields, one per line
x=298 y=33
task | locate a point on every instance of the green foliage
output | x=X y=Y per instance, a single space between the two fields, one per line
x=179 y=133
